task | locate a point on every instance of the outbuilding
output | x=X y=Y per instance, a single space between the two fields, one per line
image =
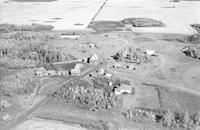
x=108 y=75
x=51 y=70
x=94 y=59
x=127 y=89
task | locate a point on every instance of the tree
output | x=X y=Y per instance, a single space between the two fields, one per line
x=197 y=117
x=186 y=119
x=168 y=118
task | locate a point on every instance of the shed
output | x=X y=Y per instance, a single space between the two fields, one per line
x=124 y=89
x=92 y=45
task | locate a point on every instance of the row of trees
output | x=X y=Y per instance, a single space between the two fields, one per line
x=4 y=28
x=166 y=118
x=181 y=120
x=131 y=55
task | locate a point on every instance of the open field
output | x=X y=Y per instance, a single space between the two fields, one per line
x=176 y=15
x=39 y=124
x=62 y=14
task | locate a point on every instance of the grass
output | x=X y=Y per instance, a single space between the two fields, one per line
x=18 y=85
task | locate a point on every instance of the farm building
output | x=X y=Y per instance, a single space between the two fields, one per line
x=92 y=45
x=85 y=60
x=50 y=69
x=40 y=71
x=108 y=75
x=124 y=89
x=76 y=71
x=62 y=72
x=47 y=69
x=93 y=59
x=68 y=36
x=101 y=71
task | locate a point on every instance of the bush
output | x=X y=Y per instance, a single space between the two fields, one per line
x=97 y=95
x=186 y=118
x=168 y=118
x=5 y=28
x=196 y=27
x=18 y=85
x=192 y=51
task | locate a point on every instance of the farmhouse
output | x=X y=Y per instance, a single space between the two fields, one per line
x=76 y=71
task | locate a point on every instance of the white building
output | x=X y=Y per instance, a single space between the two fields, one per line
x=108 y=75
x=101 y=71
x=94 y=59
x=76 y=71
x=150 y=52
x=124 y=89
x=92 y=45
x=67 y=36
x=40 y=71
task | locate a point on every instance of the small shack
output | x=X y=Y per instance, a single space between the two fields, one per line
x=92 y=45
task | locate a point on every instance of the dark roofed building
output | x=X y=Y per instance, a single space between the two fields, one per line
x=49 y=67
x=51 y=70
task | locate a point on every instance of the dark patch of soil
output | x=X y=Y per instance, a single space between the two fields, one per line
x=143 y=22
x=78 y=24
x=49 y=21
x=56 y=18
x=106 y=26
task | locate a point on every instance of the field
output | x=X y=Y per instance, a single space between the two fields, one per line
x=176 y=15
x=62 y=14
